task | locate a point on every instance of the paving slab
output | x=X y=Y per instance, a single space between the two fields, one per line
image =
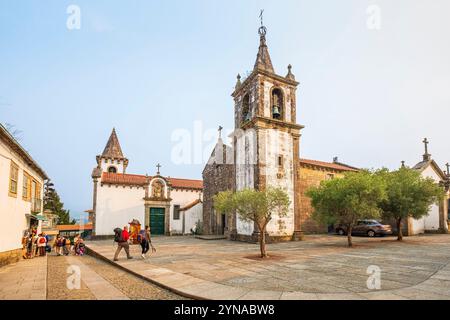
x=321 y=267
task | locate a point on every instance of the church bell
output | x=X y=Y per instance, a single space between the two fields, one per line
x=276 y=112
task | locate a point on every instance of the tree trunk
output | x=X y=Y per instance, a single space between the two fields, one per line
x=349 y=236
x=399 y=229
x=262 y=242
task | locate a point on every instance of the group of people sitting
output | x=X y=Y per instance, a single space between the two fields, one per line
x=63 y=246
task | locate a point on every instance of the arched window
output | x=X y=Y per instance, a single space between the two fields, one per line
x=246 y=108
x=112 y=169
x=277 y=104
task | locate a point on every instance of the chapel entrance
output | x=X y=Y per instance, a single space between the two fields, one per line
x=157 y=221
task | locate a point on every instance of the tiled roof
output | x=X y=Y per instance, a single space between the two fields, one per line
x=73 y=227
x=123 y=179
x=113 y=149
x=329 y=165
x=140 y=180
x=190 y=205
x=186 y=183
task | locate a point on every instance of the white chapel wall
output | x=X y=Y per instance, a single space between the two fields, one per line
x=182 y=198
x=116 y=206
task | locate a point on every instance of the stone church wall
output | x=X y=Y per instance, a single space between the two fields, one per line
x=309 y=177
x=216 y=178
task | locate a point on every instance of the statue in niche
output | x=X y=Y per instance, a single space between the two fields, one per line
x=158 y=190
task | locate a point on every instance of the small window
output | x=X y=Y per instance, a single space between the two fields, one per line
x=280 y=161
x=176 y=212
x=112 y=169
x=26 y=187
x=13 y=179
x=330 y=176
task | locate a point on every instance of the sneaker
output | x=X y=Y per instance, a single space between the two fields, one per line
x=116 y=260
x=143 y=256
x=130 y=257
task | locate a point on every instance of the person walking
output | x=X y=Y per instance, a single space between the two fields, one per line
x=57 y=245
x=145 y=241
x=121 y=237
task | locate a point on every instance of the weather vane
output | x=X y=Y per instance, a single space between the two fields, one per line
x=262 y=30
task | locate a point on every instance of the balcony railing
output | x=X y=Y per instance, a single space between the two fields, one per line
x=36 y=205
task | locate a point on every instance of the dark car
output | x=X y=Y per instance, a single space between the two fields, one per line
x=370 y=228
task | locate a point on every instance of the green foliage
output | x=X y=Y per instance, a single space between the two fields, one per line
x=256 y=206
x=408 y=194
x=54 y=204
x=346 y=200
x=253 y=205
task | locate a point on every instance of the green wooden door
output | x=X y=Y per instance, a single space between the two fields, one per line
x=157 y=220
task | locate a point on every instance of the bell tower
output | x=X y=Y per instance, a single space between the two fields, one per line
x=266 y=139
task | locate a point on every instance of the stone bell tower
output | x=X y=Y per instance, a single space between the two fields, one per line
x=266 y=140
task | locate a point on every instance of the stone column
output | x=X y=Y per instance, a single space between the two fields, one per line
x=94 y=207
x=298 y=233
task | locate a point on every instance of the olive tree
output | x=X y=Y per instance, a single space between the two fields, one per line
x=408 y=195
x=254 y=206
x=348 y=199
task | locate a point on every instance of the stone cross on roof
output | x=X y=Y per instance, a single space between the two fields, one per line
x=158 y=166
x=426 y=156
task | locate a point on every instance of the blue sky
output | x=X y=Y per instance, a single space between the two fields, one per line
x=149 y=68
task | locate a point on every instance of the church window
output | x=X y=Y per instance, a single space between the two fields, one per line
x=246 y=108
x=176 y=212
x=277 y=104
x=112 y=169
x=280 y=161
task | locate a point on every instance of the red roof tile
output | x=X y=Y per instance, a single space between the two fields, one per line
x=140 y=180
x=190 y=205
x=328 y=165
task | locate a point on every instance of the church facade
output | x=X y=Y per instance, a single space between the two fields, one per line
x=168 y=205
x=265 y=152
x=437 y=220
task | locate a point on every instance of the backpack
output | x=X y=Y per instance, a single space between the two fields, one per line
x=118 y=235
x=141 y=236
x=42 y=240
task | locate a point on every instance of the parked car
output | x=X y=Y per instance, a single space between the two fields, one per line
x=370 y=228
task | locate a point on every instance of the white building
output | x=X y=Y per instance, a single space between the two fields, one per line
x=21 y=194
x=437 y=219
x=168 y=205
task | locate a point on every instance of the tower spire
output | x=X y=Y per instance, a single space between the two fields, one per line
x=263 y=61
x=112 y=149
